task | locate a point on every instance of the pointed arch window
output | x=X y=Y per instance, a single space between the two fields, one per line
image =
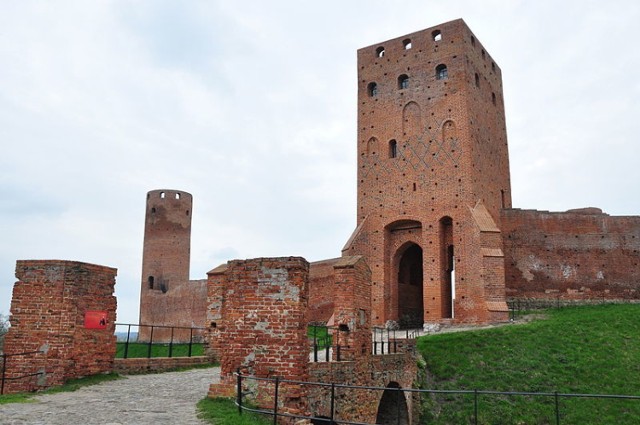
x=441 y=72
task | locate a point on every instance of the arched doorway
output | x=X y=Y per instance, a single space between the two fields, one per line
x=393 y=409
x=410 y=291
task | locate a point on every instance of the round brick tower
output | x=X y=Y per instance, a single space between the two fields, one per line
x=166 y=251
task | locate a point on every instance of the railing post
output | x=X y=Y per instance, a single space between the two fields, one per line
x=398 y=406
x=475 y=407
x=315 y=345
x=557 y=410
x=275 y=402
x=388 y=343
x=327 y=347
x=126 y=345
x=239 y=389
x=190 y=340
x=332 y=408
x=150 y=343
x=171 y=343
x=4 y=372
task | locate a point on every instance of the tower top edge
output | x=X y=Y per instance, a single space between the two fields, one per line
x=169 y=194
x=456 y=23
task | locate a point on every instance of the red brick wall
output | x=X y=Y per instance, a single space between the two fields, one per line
x=353 y=306
x=260 y=306
x=451 y=153
x=579 y=254
x=356 y=404
x=48 y=310
x=322 y=294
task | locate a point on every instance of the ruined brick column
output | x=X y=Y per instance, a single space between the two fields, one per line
x=67 y=310
x=259 y=309
x=352 y=313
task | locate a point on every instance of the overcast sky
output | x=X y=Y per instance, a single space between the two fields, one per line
x=251 y=107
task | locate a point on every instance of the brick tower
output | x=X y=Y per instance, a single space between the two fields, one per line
x=166 y=254
x=433 y=175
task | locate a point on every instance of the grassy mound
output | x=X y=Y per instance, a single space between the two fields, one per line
x=588 y=350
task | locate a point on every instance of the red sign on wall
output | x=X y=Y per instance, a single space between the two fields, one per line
x=95 y=320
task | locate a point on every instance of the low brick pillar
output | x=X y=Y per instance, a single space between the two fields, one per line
x=352 y=311
x=67 y=310
x=259 y=308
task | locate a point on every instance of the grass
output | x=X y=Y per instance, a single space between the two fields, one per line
x=69 y=386
x=223 y=411
x=588 y=350
x=321 y=333
x=141 y=350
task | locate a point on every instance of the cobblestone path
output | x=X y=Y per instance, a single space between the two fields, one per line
x=158 y=399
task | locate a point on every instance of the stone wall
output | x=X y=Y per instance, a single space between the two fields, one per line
x=157 y=364
x=67 y=309
x=575 y=255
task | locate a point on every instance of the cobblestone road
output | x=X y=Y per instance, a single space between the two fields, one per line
x=164 y=398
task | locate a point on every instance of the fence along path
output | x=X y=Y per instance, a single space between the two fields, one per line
x=165 y=398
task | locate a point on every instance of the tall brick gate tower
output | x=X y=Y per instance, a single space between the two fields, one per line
x=433 y=175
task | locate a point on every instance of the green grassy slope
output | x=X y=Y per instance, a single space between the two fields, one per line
x=593 y=350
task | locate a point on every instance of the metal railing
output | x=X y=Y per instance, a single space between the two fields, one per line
x=331 y=417
x=3 y=375
x=521 y=306
x=328 y=342
x=154 y=336
x=388 y=339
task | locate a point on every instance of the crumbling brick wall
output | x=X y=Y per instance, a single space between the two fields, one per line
x=260 y=306
x=360 y=405
x=48 y=311
x=574 y=255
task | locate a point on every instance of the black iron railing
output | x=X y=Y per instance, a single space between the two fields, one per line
x=328 y=342
x=397 y=409
x=5 y=366
x=387 y=341
x=135 y=341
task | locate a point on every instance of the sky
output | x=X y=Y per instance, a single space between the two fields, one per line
x=250 y=106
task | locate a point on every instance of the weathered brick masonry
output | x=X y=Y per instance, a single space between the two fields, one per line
x=167 y=296
x=48 y=310
x=435 y=223
x=574 y=255
x=433 y=174
x=258 y=314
